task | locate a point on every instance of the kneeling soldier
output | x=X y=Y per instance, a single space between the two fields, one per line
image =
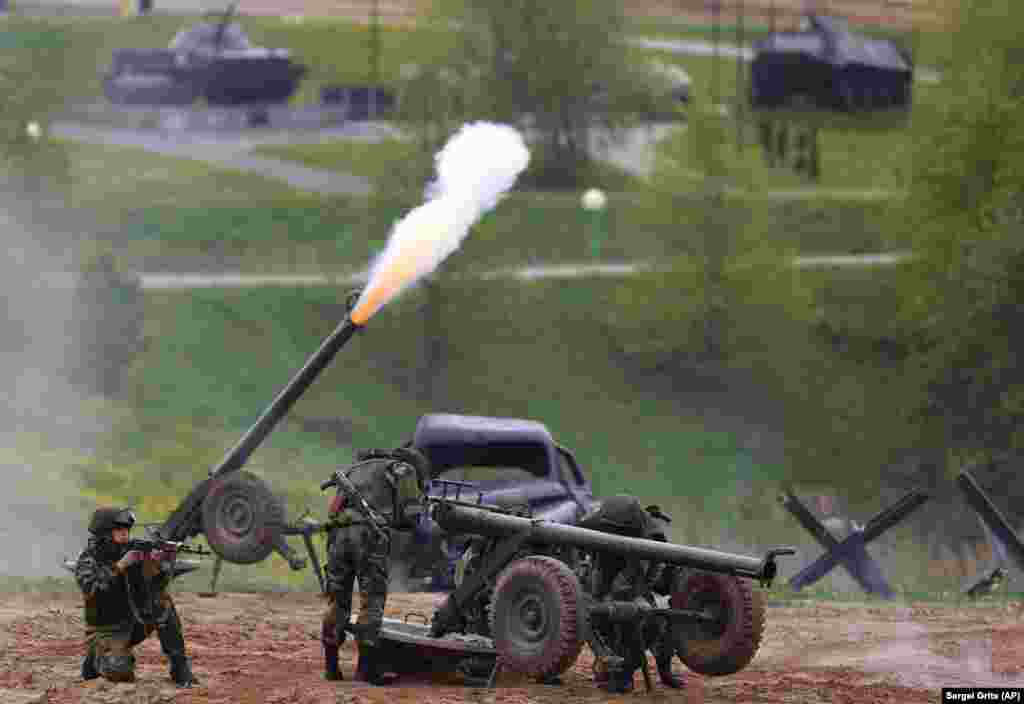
x=393 y=484
x=125 y=601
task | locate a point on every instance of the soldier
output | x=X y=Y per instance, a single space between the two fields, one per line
x=393 y=484
x=662 y=579
x=622 y=579
x=125 y=601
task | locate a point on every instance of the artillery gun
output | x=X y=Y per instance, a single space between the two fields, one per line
x=532 y=592
x=241 y=517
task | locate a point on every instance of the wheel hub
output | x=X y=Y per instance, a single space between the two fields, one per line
x=237 y=516
x=531 y=619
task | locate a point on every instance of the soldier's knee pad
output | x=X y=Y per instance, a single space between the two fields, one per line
x=116 y=668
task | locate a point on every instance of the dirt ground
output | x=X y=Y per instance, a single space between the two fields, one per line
x=264 y=648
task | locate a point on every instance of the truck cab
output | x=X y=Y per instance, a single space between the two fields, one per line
x=491 y=461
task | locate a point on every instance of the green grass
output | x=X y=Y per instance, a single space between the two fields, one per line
x=173 y=212
x=166 y=209
x=335 y=51
x=855 y=160
x=372 y=160
x=215 y=359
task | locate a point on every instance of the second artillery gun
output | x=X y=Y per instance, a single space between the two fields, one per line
x=533 y=592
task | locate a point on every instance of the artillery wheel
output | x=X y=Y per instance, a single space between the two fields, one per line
x=536 y=616
x=729 y=643
x=242 y=518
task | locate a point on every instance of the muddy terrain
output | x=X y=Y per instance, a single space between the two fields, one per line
x=264 y=648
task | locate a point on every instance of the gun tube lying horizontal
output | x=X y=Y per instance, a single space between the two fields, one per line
x=462 y=519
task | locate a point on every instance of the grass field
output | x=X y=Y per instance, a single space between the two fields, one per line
x=170 y=213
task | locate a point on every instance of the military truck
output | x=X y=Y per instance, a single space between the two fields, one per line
x=494 y=462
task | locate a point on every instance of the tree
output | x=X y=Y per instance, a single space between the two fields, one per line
x=557 y=69
x=961 y=298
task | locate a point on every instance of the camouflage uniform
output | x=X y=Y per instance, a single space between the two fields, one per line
x=619 y=578
x=392 y=483
x=123 y=608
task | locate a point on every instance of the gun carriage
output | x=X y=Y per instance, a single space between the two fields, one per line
x=537 y=589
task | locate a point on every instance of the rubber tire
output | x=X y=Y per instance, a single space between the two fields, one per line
x=246 y=500
x=743 y=607
x=559 y=591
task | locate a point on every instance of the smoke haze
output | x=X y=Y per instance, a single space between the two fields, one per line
x=40 y=514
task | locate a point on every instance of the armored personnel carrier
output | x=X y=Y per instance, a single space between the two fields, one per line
x=213 y=61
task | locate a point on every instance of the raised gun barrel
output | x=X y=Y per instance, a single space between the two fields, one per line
x=463 y=519
x=238 y=516
x=238 y=455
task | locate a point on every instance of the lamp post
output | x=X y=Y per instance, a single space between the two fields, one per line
x=593 y=202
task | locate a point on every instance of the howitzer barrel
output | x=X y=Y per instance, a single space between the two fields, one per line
x=238 y=455
x=185 y=521
x=466 y=520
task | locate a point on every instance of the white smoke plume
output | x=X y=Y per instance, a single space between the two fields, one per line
x=478 y=165
x=40 y=516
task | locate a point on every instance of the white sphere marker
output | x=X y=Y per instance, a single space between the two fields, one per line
x=593 y=199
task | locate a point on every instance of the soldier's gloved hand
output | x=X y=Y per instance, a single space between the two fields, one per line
x=130 y=558
x=412 y=513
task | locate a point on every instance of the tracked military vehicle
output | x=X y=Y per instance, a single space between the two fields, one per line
x=212 y=61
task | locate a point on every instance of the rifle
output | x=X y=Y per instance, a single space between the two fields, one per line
x=353 y=495
x=168 y=546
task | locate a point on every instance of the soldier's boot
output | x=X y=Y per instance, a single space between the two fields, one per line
x=618 y=676
x=181 y=672
x=331 y=671
x=89 y=671
x=549 y=678
x=621 y=682
x=369 y=668
x=172 y=643
x=116 y=668
x=363 y=668
x=667 y=677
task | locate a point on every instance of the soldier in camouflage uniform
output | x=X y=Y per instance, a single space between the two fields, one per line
x=619 y=578
x=393 y=483
x=125 y=601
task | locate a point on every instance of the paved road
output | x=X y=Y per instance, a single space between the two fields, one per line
x=231 y=151
x=165 y=282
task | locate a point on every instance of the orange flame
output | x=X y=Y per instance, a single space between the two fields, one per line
x=385 y=285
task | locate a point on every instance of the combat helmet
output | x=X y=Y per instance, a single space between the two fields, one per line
x=418 y=461
x=106 y=518
x=407 y=454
